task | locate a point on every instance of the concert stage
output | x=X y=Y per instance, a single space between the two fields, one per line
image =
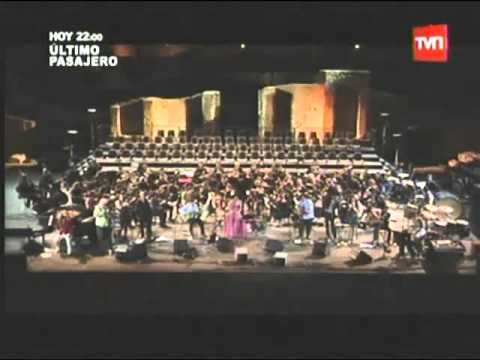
x=162 y=259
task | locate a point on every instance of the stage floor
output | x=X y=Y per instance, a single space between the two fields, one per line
x=300 y=259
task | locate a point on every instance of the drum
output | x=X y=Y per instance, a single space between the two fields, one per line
x=462 y=228
x=446 y=200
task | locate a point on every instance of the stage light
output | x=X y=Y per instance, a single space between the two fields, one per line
x=357 y=46
x=384 y=114
x=397 y=135
x=72 y=132
x=242 y=46
x=92 y=110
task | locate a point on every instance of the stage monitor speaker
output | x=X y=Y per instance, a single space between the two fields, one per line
x=320 y=249
x=225 y=245
x=180 y=246
x=273 y=246
x=241 y=255
x=280 y=258
x=441 y=262
x=362 y=258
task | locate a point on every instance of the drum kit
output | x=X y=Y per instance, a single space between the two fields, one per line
x=443 y=222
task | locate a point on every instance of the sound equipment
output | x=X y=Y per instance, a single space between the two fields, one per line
x=320 y=249
x=225 y=245
x=241 y=255
x=135 y=251
x=32 y=248
x=280 y=259
x=180 y=246
x=273 y=246
x=448 y=200
x=443 y=259
x=360 y=257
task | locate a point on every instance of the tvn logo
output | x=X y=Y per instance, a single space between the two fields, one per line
x=430 y=43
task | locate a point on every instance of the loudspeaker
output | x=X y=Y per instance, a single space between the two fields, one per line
x=361 y=258
x=225 y=245
x=319 y=249
x=241 y=255
x=180 y=246
x=134 y=252
x=280 y=259
x=139 y=250
x=273 y=246
x=441 y=262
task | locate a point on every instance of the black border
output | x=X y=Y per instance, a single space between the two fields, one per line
x=39 y=335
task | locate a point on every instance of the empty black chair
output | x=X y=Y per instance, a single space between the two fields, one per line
x=161 y=133
x=217 y=139
x=129 y=146
x=243 y=147
x=194 y=140
x=231 y=147
x=300 y=156
x=169 y=139
x=332 y=155
x=279 y=147
x=281 y=156
x=203 y=147
x=357 y=156
x=177 y=146
x=255 y=155
x=241 y=139
x=217 y=147
x=229 y=140
x=182 y=133
x=343 y=155
x=151 y=146
x=171 y=133
x=189 y=154
x=328 y=141
x=255 y=147
x=158 y=140
x=267 y=147
x=229 y=155
x=125 y=154
x=176 y=154
x=308 y=155
x=305 y=148
x=98 y=153
x=291 y=155
x=341 y=141
x=116 y=146
x=242 y=155
x=253 y=140
x=321 y=155
x=145 y=139
x=215 y=155
x=315 y=141
x=190 y=147
x=141 y=146
x=182 y=139
x=317 y=148
x=294 y=147
x=164 y=147
x=118 y=139
x=138 y=154
x=278 y=140
x=268 y=155
x=112 y=154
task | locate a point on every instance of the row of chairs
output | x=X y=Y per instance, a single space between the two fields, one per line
x=231 y=147
x=250 y=140
x=309 y=155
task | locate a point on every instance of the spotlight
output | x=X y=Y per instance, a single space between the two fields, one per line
x=383 y=114
x=243 y=46
x=397 y=135
x=92 y=110
x=357 y=46
x=72 y=132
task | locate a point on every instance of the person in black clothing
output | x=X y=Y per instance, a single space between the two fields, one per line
x=125 y=219
x=144 y=216
x=25 y=189
x=330 y=204
x=45 y=183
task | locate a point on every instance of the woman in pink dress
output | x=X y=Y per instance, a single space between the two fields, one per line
x=234 y=224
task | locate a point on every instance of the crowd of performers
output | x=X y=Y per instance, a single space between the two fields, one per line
x=238 y=200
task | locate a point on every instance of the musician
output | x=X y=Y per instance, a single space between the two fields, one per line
x=143 y=210
x=330 y=206
x=125 y=218
x=191 y=212
x=307 y=215
x=45 y=183
x=26 y=189
x=103 y=226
